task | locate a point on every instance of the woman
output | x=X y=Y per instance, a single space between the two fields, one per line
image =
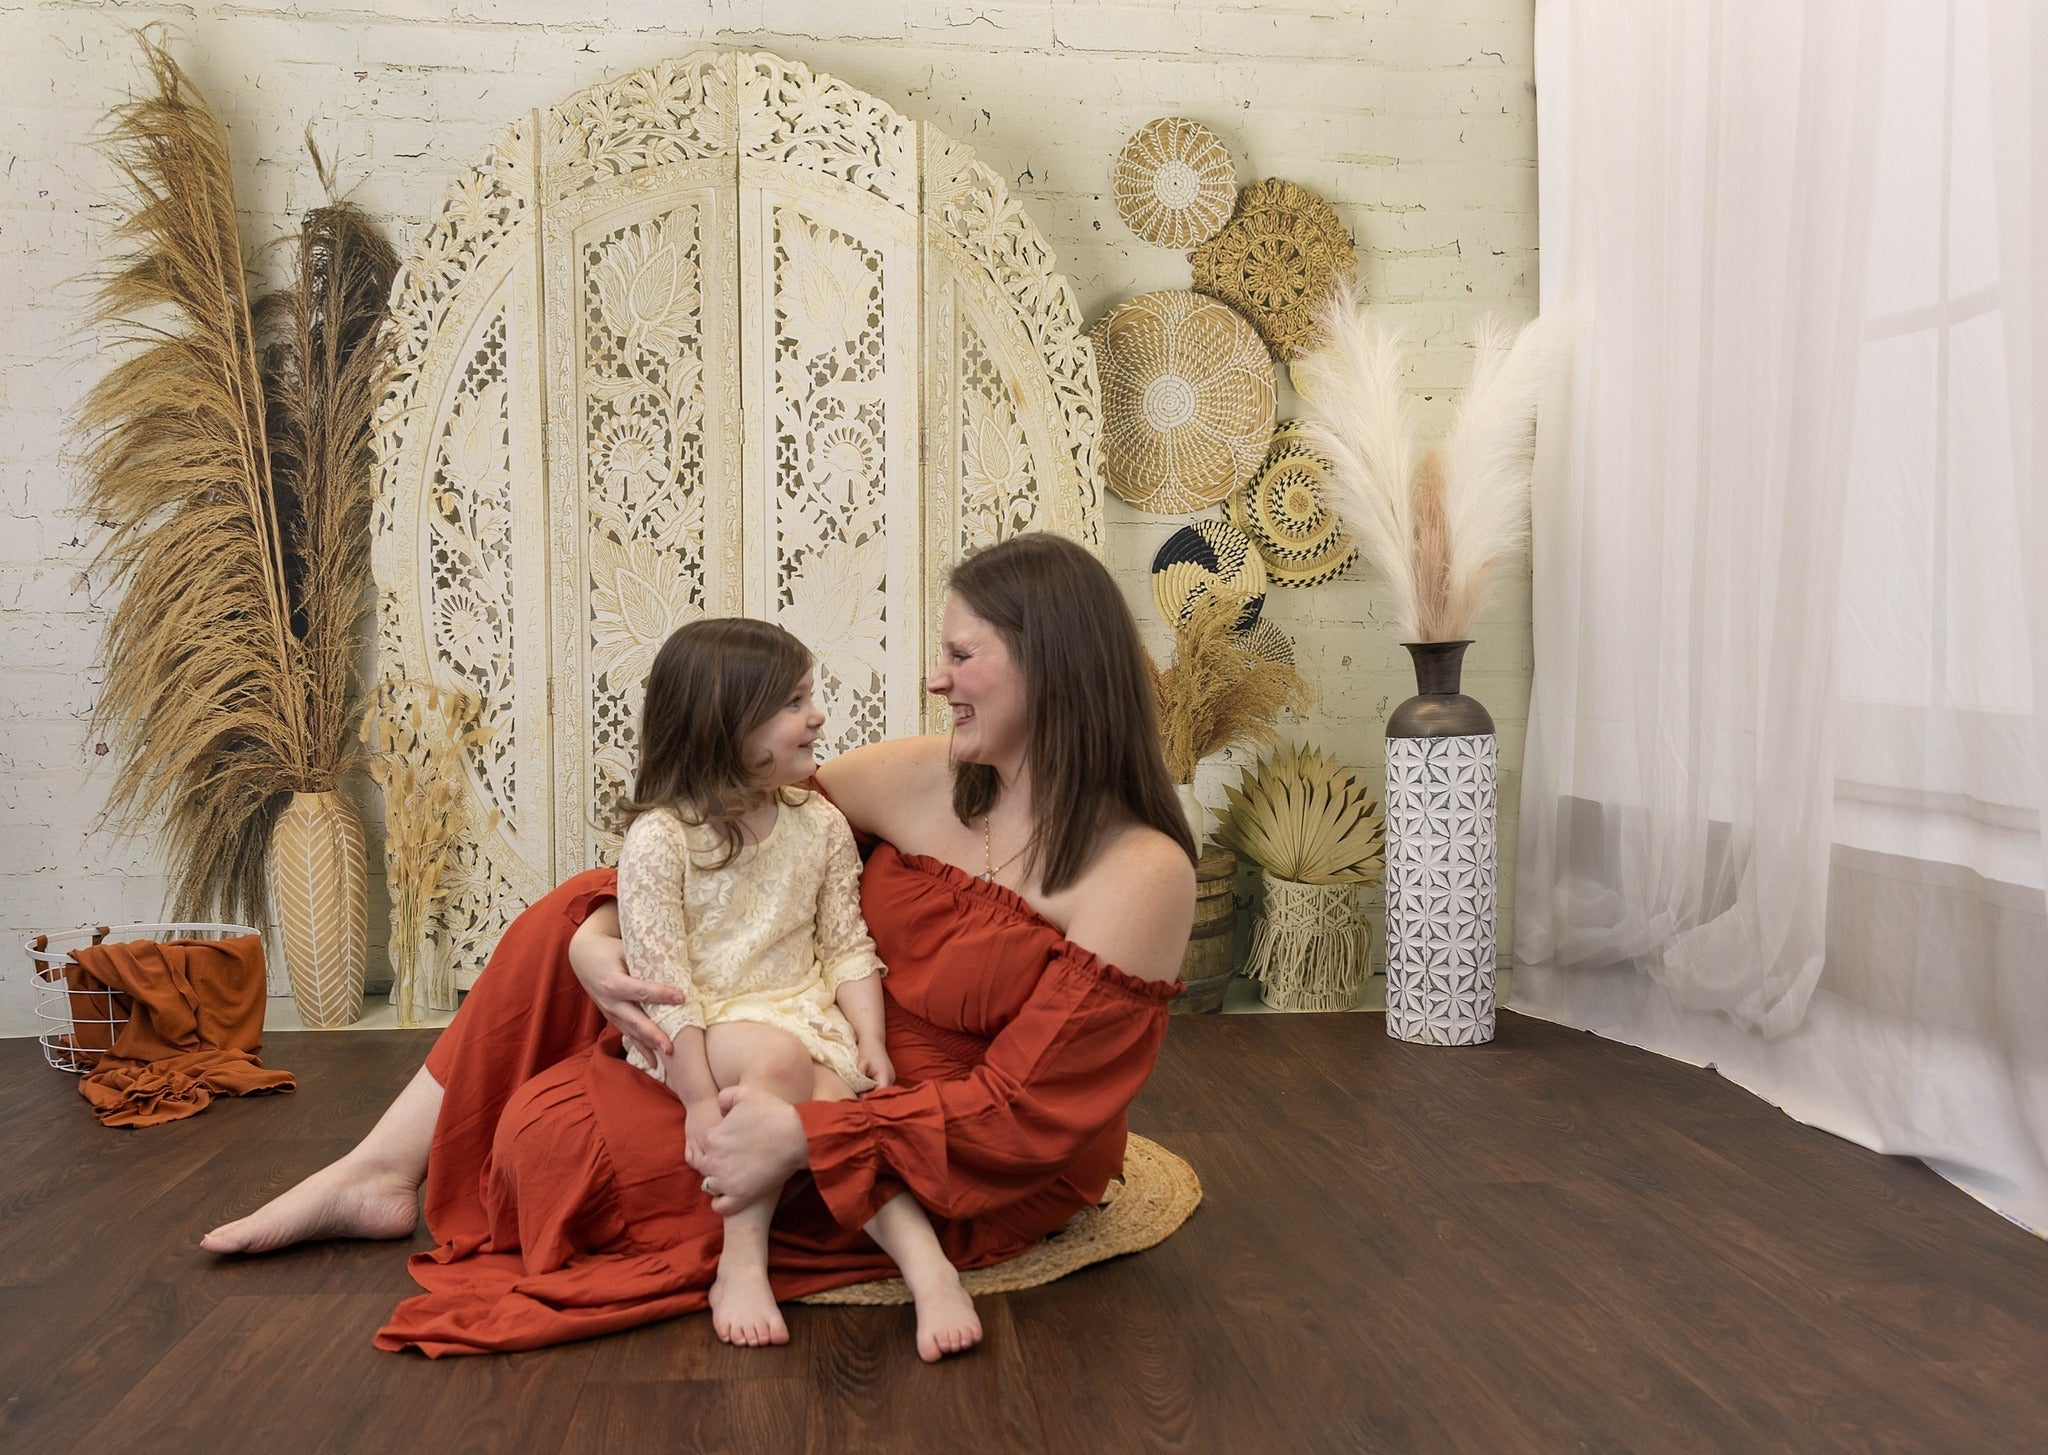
x=1032 y=895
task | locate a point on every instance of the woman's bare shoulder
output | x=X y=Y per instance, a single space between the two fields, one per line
x=878 y=785
x=1134 y=905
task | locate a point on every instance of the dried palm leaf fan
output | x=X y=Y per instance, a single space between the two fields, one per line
x=239 y=529
x=1301 y=816
x=1316 y=831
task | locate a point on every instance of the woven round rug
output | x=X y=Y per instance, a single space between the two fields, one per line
x=1173 y=182
x=1276 y=261
x=1140 y=1210
x=1281 y=508
x=1208 y=558
x=1268 y=643
x=1187 y=401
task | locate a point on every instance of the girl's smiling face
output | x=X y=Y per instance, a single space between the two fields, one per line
x=783 y=750
x=983 y=685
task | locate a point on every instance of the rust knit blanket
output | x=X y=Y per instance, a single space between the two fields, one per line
x=195 y=1024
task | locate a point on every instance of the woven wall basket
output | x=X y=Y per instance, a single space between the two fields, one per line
x=1276 y=261
x=1270 y=644
x=1208 y=558
x=1174 y=183
x=1281 y=509
x=319 y=890
x=1187 y=401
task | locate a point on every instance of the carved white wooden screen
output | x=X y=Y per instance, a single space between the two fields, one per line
x=724 y=336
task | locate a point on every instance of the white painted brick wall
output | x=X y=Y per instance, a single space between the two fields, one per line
x=1415 y=117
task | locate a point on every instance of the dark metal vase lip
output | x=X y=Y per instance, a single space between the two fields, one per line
x=1439 y=709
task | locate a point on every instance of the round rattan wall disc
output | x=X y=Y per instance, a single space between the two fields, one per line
x=1283 y=511
x=1276 y=261
x=1268 y=642
x=1187 y=401
x=1208 y=558
x=1173 y=182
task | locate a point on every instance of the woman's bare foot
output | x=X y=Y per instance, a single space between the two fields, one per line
x=744 y=1311
x=344 y=1199
x=946 y=1320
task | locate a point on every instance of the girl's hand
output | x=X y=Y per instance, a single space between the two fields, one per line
x=757 y=1146
x=598 y=956
x=873 y=1060
x=700 y=1119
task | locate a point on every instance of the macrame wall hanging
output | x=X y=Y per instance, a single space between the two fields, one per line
x=723 y=336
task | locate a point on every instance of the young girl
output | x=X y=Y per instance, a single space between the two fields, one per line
x=743 y=889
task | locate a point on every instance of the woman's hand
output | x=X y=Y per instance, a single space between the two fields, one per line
x=598 y=956
x=700 y=1119
x=758 y=1146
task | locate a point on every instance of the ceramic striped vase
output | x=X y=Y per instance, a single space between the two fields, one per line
x=1442 y=803
x=319 y=891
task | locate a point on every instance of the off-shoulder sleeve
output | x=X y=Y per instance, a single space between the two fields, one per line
x=844 y=948
x=1065 y=1068
x=652 y=864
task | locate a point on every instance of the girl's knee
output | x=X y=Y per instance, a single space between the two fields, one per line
x=763 y=1056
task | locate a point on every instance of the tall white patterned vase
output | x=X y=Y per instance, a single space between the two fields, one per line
x=1442 y=800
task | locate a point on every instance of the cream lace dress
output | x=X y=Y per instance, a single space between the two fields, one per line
x=769 y=938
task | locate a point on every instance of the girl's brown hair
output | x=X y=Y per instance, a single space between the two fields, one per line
x=714 y=683
x=1093 y=752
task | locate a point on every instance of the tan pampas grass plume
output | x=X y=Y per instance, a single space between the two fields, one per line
x=203 y=698
x=1219 y=691
x=238 y=520
x=1487 y=457
x=417 y=735
x=1437 y=530
x=324 y=367
x=1360 y=419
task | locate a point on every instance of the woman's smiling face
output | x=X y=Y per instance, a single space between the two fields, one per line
x=983 y=685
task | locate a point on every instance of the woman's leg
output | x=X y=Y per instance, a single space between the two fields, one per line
x=946 y=1320
x=743 y=1307
x=371 y=1192
x=526 y=1013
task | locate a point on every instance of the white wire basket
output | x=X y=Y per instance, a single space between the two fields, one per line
x=65 y=1014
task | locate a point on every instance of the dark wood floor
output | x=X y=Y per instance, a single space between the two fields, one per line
x=1551 y=1244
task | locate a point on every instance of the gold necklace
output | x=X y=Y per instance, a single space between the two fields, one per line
x=989 y=867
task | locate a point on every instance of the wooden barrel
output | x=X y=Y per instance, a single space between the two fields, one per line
x=1207 y=968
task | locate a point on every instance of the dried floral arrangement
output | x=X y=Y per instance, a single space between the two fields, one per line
x=1302 y=816
x=1220 y=690
x=238 y=503
x=1437 y=524
x=417 y=735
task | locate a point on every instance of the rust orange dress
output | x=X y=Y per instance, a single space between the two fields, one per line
x=556 y=1187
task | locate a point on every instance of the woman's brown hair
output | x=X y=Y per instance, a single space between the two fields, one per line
x=1093 y=750
x=714 y=682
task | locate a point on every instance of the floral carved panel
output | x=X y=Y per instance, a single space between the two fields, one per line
x=725 y=335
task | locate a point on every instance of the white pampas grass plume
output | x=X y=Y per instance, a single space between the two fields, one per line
x=1359 y=417
x=1487 y=457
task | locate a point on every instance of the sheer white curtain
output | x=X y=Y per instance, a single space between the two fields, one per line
x=1783 y=786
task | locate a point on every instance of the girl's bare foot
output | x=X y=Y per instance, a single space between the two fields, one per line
x=743 y=1309
x=946 y=1320
x=344 y=1199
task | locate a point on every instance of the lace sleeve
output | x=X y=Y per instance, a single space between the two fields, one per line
x=652 y=866
x=844 y=948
